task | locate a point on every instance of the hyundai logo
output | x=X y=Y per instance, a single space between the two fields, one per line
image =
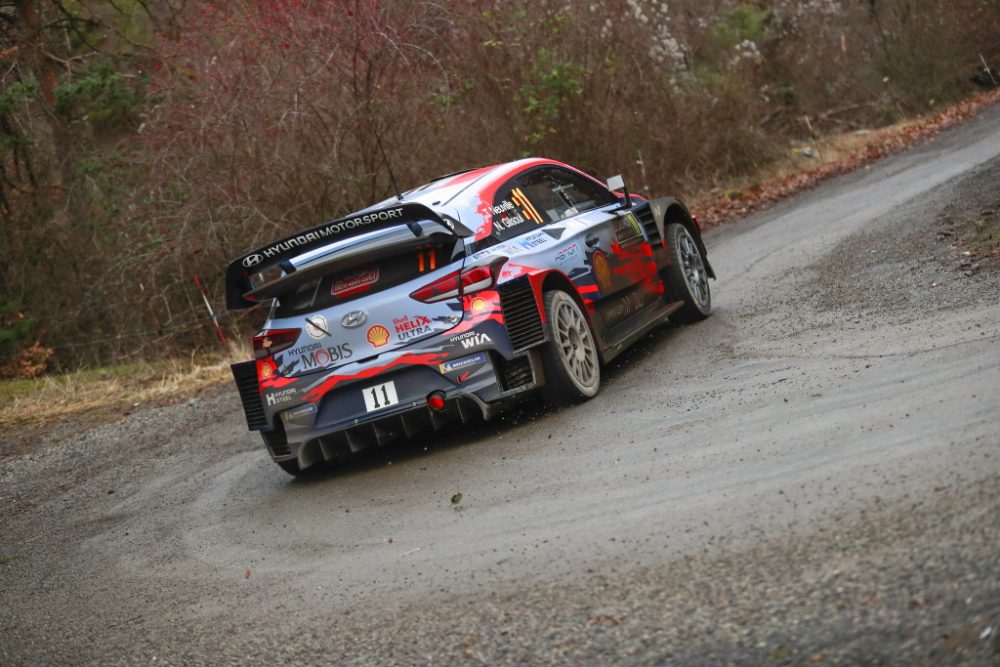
x=253 y=260
x=354 y=319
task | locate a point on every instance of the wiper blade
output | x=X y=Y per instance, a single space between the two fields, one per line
x=309 y=320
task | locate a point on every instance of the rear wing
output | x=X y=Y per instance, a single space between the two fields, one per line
x=239 y=286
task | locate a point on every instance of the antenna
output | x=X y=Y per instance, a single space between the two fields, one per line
x=388 y=166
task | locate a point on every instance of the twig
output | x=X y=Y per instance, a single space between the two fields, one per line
x=61 y=61
x=833 y=112
x=989 y=72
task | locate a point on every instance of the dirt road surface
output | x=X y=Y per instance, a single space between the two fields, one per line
x=811 y=476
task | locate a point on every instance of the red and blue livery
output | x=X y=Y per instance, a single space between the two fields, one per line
x=454 y=300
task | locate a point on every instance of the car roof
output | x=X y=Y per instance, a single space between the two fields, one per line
x=444 y=191
x=461 y=201
x=467 y=195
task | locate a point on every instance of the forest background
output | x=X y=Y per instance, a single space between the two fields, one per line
x=144 y=143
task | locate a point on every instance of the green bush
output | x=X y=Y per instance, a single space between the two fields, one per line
x=546 y=92
x=17 y=94
x=102 y=96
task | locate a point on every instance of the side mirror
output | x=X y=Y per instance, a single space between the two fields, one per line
x=618 y=183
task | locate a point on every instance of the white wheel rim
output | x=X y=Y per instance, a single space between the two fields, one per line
x=693 y=268
x=575 y=344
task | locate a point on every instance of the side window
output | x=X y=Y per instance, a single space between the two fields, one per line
x=514 y=213
x=542 y=196
x=566 y=194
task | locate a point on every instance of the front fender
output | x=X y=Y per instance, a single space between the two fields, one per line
x=670 y=209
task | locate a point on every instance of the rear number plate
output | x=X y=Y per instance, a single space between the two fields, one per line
x=380 y=396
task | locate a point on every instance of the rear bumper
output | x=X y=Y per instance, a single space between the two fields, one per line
x=488 y=362
x=343 y=443
x=338 y=428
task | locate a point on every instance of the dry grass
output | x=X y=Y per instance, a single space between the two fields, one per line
x=109 y=390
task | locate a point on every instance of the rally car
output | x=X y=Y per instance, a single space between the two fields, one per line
x=455 y=299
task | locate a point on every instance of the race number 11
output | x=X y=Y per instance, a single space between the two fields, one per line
x=380 y=396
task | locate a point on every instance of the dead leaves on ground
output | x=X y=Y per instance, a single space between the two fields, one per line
x=720 y=207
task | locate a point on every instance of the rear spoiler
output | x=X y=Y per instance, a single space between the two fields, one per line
x=239 y=285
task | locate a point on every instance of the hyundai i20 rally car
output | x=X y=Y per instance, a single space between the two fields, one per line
x=454 y=299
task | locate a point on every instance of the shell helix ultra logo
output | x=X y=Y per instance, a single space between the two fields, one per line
x=378 y=335
x=479 y=304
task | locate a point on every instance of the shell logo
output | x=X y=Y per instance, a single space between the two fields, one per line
x=378 y=335
x=479 y=304
x=601 y=271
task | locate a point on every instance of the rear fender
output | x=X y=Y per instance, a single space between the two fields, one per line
x=557 y=280
x=545 y=281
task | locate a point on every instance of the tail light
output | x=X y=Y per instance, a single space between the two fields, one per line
x=435 y=401
x=268 y=343
x=459 y=283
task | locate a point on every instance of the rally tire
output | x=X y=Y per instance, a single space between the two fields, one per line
x=569 y=359
x=687 y=277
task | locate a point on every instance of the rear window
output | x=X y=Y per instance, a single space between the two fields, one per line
x=344 y=286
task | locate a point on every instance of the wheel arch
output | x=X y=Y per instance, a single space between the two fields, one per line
x=557 y=280
x=667 y=210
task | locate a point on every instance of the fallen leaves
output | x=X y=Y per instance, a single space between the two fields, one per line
x=719 y=207
x=29 y=362
x=603 y=618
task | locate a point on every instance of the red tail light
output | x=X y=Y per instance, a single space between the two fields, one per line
x=435 y=401
x=459 y=283
x=268 y=343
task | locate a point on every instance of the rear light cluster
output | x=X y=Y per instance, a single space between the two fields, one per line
x=460 y=283
x=268 y=343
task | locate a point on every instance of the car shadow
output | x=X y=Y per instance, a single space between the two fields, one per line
x=456 y=434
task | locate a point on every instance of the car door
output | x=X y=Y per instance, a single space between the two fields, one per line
x=615 y=247
x=619 y=257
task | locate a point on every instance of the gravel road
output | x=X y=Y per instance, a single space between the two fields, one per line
x=811 y=476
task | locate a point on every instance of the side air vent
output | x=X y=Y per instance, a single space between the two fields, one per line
x=645 y=216
x=277 y=441
x=520 y=312
x=515 y=373
x=245 y=374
